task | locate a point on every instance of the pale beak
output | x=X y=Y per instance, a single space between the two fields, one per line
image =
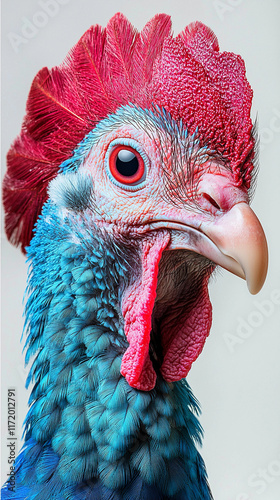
x=239 y=235
x=235 y=240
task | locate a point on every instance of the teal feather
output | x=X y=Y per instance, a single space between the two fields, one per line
x=82 y=275
x=118 y=399
x=87 y=431
x=79 y=444
x=140 y=400
x=126 y=420
x=115 y=474
x=46 y=466
x=160 y=429
x=109 y=453
x=149 y=416
x=149 y=462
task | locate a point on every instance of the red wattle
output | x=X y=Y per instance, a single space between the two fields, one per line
x=137 y=308
x=183 y=337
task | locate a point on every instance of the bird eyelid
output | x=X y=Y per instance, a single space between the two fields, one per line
x=129 y=144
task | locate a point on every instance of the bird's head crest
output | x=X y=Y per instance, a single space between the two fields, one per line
x=203 y=88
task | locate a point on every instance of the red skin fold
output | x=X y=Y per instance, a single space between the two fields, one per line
x=183 y=334
x=184 y=338
x=137 y=310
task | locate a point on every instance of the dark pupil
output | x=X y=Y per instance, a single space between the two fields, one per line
x=127 y=163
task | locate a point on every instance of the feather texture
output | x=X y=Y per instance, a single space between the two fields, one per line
x=121 y=37
x=96 y=310
x=87 y=431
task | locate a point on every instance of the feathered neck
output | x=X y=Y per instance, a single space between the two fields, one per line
x=87 y=428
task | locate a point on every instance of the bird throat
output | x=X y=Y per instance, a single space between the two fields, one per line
x=83 y=412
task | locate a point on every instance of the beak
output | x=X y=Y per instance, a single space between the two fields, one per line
x=238 y=234
x=235 y=240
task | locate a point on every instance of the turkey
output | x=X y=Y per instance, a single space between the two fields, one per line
x=128 y=185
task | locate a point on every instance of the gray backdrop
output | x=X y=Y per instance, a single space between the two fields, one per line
x=236 y=378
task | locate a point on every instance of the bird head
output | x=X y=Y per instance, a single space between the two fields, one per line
x=163 y=165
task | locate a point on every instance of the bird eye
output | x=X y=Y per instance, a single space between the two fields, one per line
x=126 y=165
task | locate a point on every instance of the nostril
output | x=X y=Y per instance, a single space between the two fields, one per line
x=211 y=200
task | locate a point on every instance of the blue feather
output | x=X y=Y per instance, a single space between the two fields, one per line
x=88 y=433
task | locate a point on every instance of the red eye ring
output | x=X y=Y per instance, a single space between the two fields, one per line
x=135 y=167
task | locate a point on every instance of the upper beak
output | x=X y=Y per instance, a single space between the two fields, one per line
x=235 y=240
x=238 y=234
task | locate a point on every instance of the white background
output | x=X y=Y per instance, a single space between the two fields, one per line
x=238 y=388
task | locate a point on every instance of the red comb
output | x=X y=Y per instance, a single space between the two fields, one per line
x=114 y=66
